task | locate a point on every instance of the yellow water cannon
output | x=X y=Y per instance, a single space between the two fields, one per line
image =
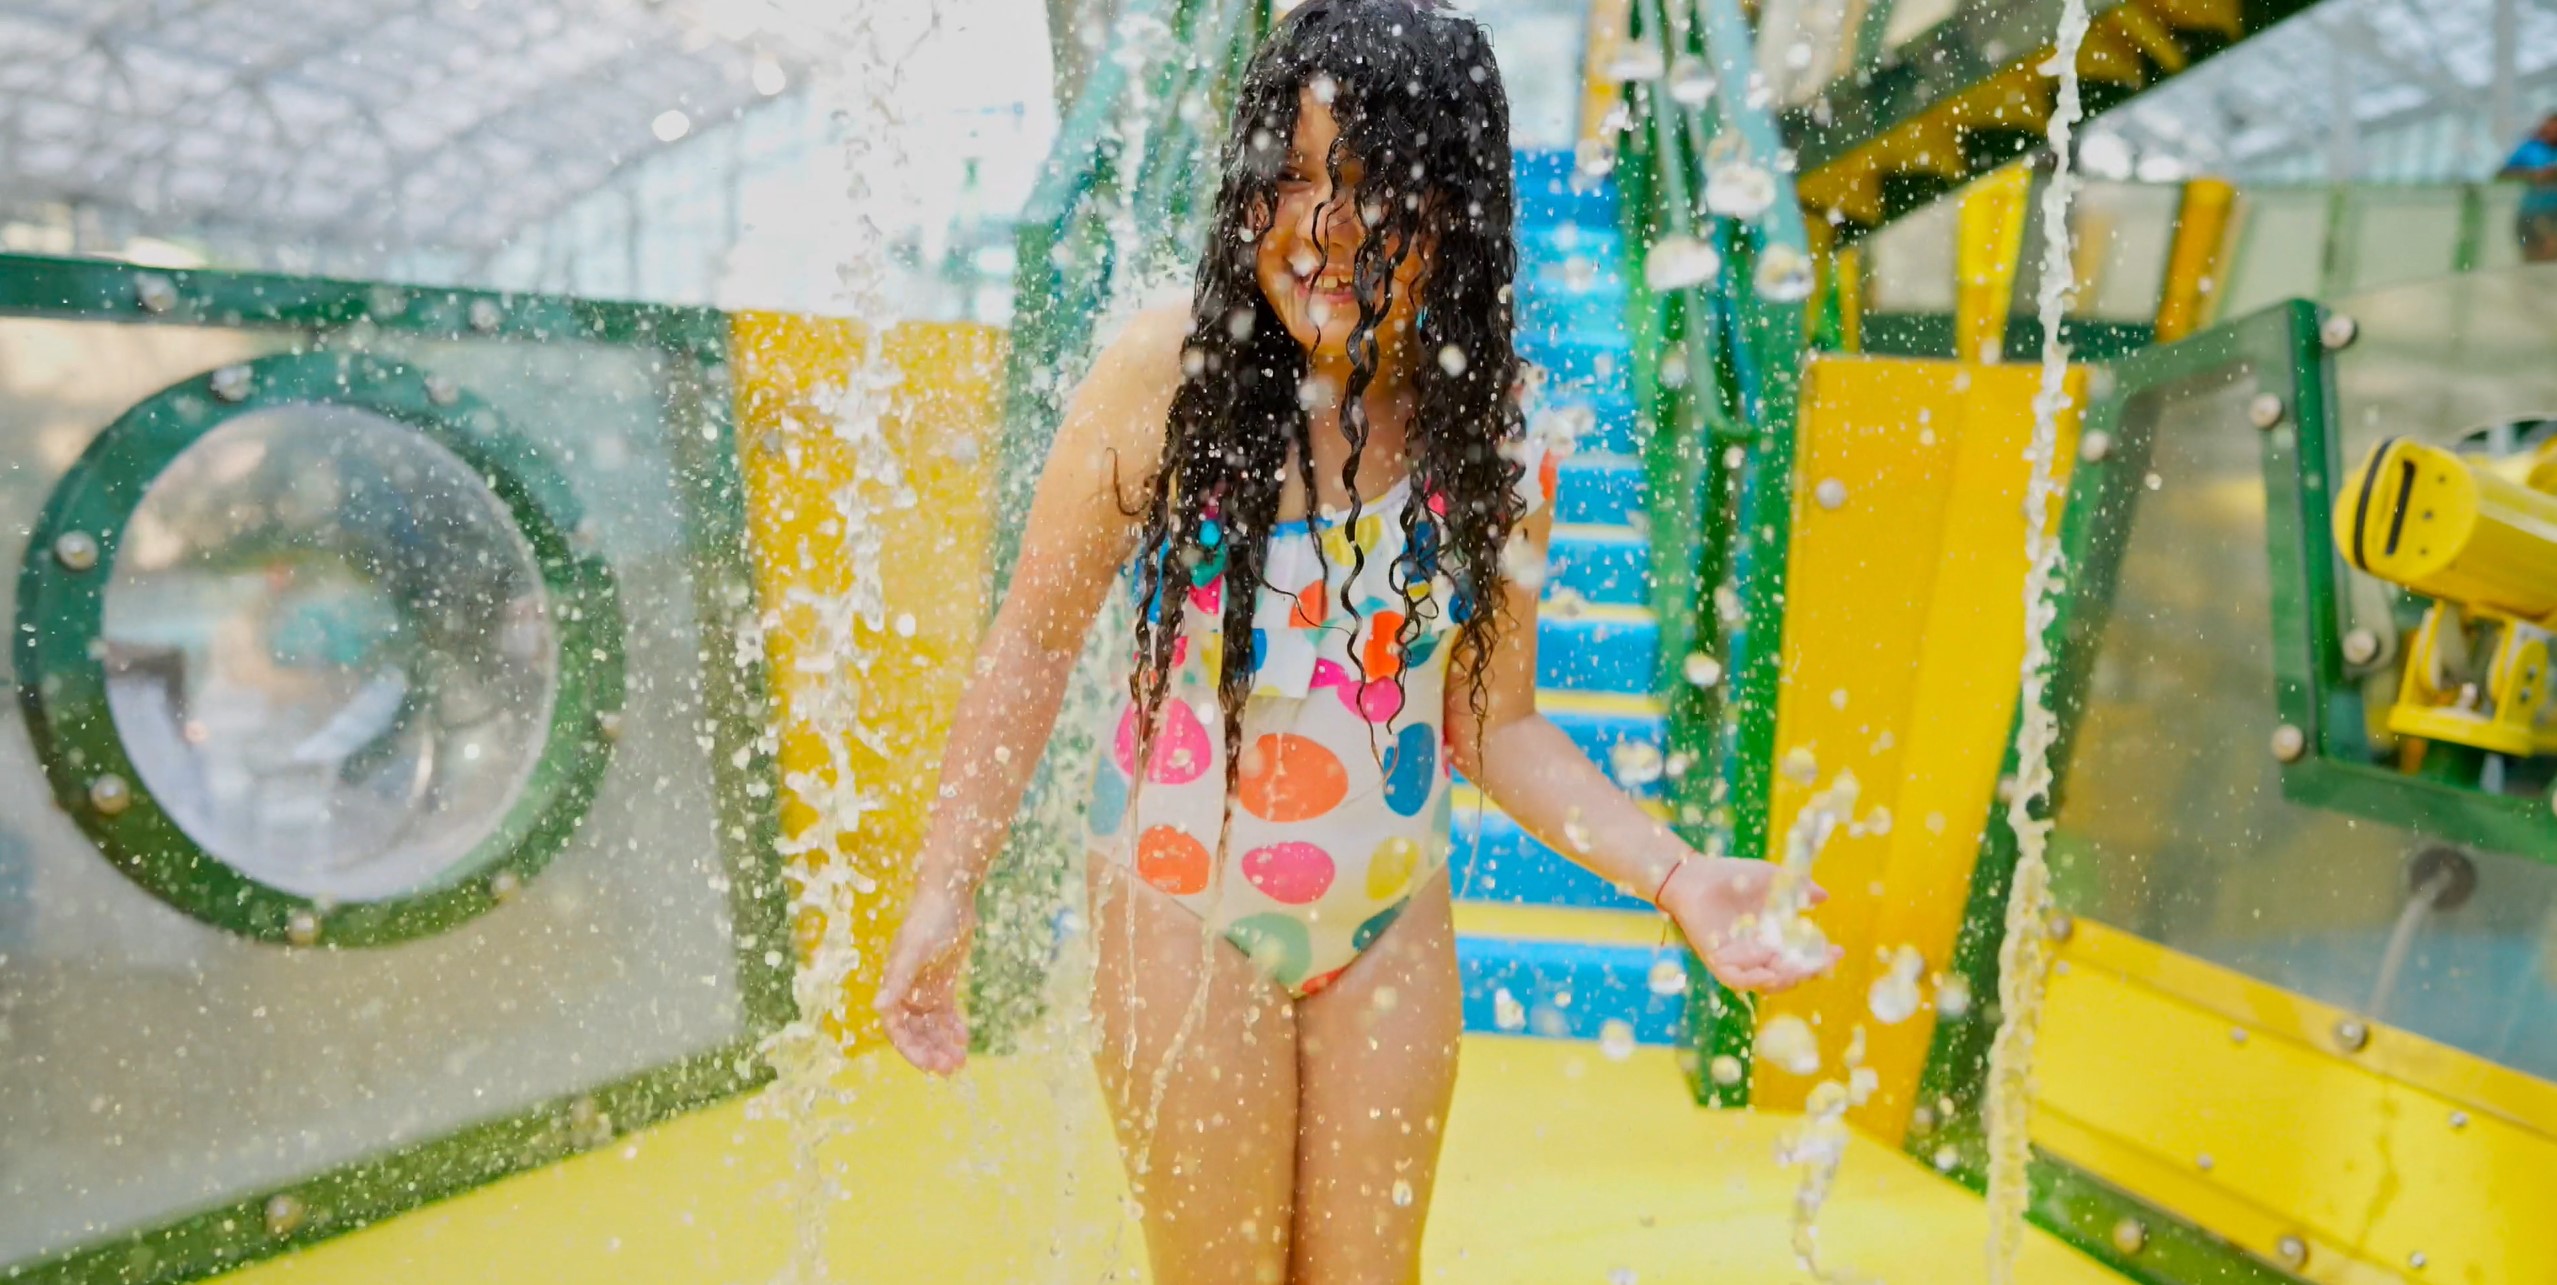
x=2479 y=538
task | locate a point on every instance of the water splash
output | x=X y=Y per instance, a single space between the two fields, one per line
x=2025 y=952
x=1818 y=1146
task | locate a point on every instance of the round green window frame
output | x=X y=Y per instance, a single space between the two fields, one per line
x=62 y=680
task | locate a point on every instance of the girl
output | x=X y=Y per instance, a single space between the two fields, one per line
x=1320 y=471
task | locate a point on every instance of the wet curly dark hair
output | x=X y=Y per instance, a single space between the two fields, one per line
x=1420 y=104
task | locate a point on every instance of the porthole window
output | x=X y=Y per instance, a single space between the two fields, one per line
x=315 y=655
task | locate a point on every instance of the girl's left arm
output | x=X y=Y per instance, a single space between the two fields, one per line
x=1531 y=768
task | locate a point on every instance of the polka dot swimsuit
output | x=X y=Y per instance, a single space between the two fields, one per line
x=1341 y=810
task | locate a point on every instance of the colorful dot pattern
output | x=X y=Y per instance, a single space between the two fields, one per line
x=1341 y=805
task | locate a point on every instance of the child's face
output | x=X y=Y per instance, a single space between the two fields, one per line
x=1305 y=255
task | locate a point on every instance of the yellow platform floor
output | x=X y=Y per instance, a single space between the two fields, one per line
x=1561 y=1166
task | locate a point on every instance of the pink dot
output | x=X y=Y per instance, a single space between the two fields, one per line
x=1376 y=702
x=1294 y=873
x=1209 y=597
x=1330 y=673
x=1181 y=748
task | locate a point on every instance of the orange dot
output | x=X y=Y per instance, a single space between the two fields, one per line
x=1380 y=657
x=1171 y=860
x=1296 y=779
x=1310 y=606
x=1549 y=476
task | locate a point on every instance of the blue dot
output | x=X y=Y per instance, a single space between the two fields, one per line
x=1411 y=769
x=1260 y=646
x=1418 y=654
x=1109 y=799
x=1377 y=924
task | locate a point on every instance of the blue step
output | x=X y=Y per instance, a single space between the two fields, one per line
x=1557 y=315
x=1598 y=361
x=1560 y=275
x=1612 y=428
x=1494 y=860
x=1603 y=651
x=1602 y=564
x=1543 y=243
x=1567 y=990
x=1599 y=488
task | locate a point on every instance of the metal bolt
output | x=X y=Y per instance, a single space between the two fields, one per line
x=608 y=725
x=2459 y=1119
x=284 y=1215
x=2416 y=1259
x=2289 y=743
x=2095 y=446
x=2291 y=1251
x=110 y=795
x=302 y=928
x=442 y=391
x=505 y=884
x=2099 y=384
x=76 y=550
x=2063 y=927
x=2129 y=1236
x=2338 y=332
x=231 y=383
x=2351 y=1035
x=2265 y=411
x=2361 y=646
x=154 y=293
x=486 y=316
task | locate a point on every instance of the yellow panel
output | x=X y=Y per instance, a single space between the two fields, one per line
x=1561 y=1165
x=2253 y=1128
x=1990 y=240
x=1600 y=93
x=1857 y=583
x=1963 y=708
x=1907 y=601
x=932 y=559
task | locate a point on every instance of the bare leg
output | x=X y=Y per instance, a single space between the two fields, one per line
x=1197 y=1054
x=1376 y=1068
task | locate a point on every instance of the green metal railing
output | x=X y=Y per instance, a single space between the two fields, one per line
x=1716 y=366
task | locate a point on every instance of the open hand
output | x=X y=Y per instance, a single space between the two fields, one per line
x=919 y=992
x=1716 y=902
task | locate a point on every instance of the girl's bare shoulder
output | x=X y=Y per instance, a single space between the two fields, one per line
x=1118 y=412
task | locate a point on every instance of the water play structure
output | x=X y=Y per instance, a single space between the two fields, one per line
x=467 y=742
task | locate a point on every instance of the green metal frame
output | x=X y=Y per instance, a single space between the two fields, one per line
x=1719 y=463
x=63 y=681
x=693 y=346
x=2281 y=345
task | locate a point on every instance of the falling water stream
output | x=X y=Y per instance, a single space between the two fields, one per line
x=2025 y=952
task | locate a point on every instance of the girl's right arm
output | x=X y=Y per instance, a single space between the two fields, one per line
x=1078 y=535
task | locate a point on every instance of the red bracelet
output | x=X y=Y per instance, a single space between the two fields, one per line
x=1664 y=882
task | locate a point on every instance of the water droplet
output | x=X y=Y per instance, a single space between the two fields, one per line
x=1636 y=60
x=1953 y=998
x=1193 y=361
x=1893 y=998
x=1786 y=1042
x=905 y=624
x=1616 y=1039
x=1831 y=494
x=1801 y=766
x=1577 y=835
x=1522 y=563
x=670 y=125
x=1668 y=977
x=1739 y=190
x=1783 y=276
x=1691 y=81
x=1324 y=88
x=1507 y=1013
x=1678 y=262
x=1725 y=1070
x=1702 y=670
x=1621 y=1276
x=1402 y=1193
x=1636 y=763
x=1547 y=1021
x=1592 y=161
x=1452 y=360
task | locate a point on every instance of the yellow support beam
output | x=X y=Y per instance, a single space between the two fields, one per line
x=932 y=560
x=2202 y=222
x=1991 y=240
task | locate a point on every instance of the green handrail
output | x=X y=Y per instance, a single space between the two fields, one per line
x=1720 y=459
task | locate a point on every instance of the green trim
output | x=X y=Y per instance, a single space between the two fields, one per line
x=1931 y=334
x=63 y=681
x=708 y=479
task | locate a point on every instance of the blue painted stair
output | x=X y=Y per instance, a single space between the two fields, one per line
x=1547 y=948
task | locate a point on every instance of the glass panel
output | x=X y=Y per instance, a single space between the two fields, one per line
x=152 y=1065
x=2395 y=235
x=2124 y=232
x=329 y=651
x=2174 y=824
x=1911 y=266
x=2281 y=252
